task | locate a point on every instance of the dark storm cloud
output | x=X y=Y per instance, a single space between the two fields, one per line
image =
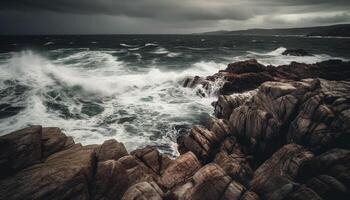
x=161 y=16
x=171 y=9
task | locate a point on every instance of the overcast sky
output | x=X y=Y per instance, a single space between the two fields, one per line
x=164 y=16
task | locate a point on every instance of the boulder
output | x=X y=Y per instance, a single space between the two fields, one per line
x=201 y=142
x=303 y=193
x=151 y=157
x=53 y=140
x=111 y=150
x=323 y=121
x=67 y=174
x=235 y=165
x=249 y=195
x=111 y=180
x=180 y=170
x=20 y=149
x=296 y=52
x=275 y=178
x=226 y=103
x=211 y=183
x=246 y=66
x=144 y=191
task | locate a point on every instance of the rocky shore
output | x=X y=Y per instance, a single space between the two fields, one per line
x=278 y=133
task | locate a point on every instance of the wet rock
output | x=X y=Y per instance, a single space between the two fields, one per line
x=247 y=66
x=67 y=174
x=296 y=52
x=275 y=178
x=144 y=191
x=211 y=183
x=20 y=149
x=218 y=126
x=323 y=121
x=201 y=142
x=248 y=75
x=53 y=140
x=259 y=125
x=137 y=171
x=226 y=103
x=151 y=157
x=180 y=170
x=235 y=165
x=328 y=187
x=111 y=180
x=249 y=195
x=304 y=193
x=111 y=150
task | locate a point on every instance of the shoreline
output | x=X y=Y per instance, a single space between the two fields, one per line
x=295 y=121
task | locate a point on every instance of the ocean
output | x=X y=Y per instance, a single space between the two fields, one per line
x=128 y=87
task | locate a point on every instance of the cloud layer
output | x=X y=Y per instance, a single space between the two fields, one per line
x=165 y=16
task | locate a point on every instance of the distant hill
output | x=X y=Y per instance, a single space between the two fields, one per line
x=339 y=30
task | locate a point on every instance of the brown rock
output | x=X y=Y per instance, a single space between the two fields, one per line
x=144 y=191
x=20 y=149
x=303 y=193
x=111 y=150
x=211 y=183
x=111 y=180
x=274 y=179
x=53 y=140
x=64 y=175
x=249 y=195
x=151 y=157
x=201 y=142
x=137 y=171
x=180 y=170
x=235 y=165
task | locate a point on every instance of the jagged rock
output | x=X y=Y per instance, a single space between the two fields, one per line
x=324 y=119
x=248 y=75
x=137 y=171
x=111 y=180
x=111 y=150
x=226 y=103
x=260 y=124
x=211 y=183
x=247 y=66
x=218 y=126
x=328 y=174
x=180 y=170
x=144 y=191
x=328 y=187
x=201 y=142
x=303 y=193
x=235 y=165
x=249 y=195
x=53 y=140
x=151 y=157
x=296 y=52
x=274 y=179
x=20 y=149
x=334 y=163
x=67 y=174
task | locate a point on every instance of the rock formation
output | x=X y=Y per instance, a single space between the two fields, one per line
x=285 y=137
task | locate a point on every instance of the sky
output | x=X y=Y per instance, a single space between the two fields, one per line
x=164 y=16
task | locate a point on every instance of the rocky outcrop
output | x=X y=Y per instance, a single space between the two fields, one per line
x=296 y=52
x=288 y=138
x=248 y=75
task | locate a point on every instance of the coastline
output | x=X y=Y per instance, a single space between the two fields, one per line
x=287 y=138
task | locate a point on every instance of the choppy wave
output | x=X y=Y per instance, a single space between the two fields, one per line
x=276 y=58
x=108 y=101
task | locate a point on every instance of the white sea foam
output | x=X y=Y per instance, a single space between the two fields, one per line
x=275 y=57
x=151 y=99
